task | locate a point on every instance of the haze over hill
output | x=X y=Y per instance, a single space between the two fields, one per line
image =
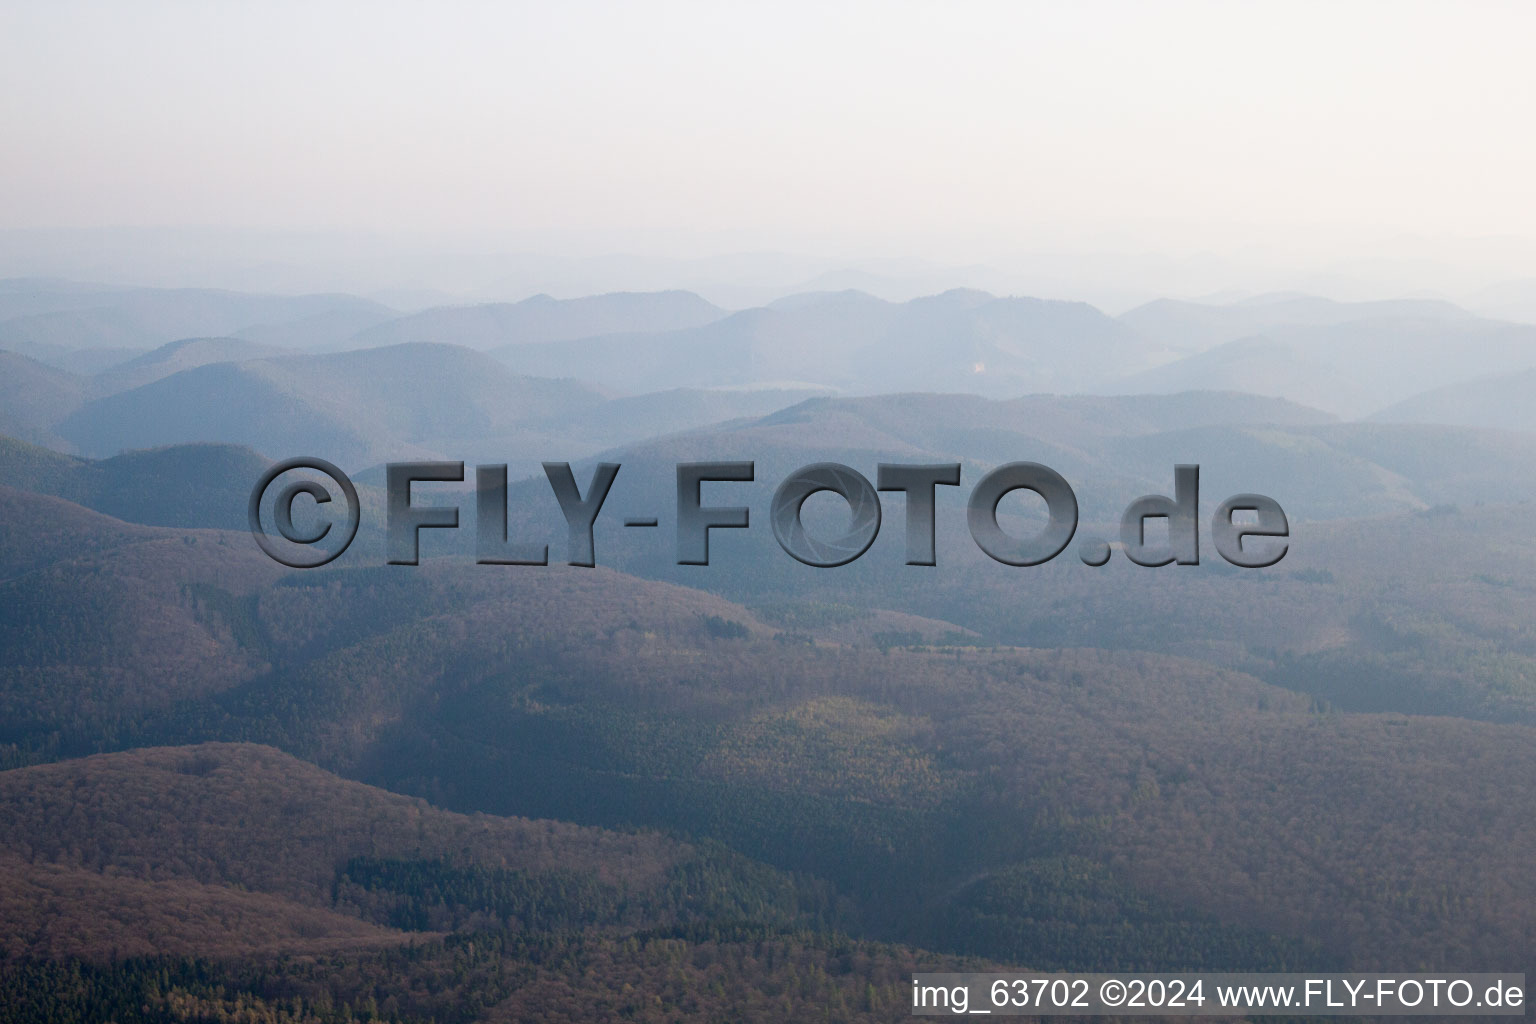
x=1351 y=368
x=355 y=408
x=175 y=356
x=1191 y=327
x=1351 y=359
x=39 y=396
x=53 y=319
x=641 y=759
x=34 y=397
x=1501 y=401
x=957 y=341
x=1110 y=449
x=215 y=756
x=541 y=319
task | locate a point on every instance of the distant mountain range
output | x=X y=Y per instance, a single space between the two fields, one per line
x=1111 y=449
x=55 y=321
x=1189 y=327
x=549 y=378
x=541 y=320
x=354 y=407
x=960 y=341
x=752 y=790
x=1352 y=368
x=1351 y=359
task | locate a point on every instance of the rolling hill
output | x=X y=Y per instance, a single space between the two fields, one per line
x=35 y=397
x=363 y=407
x=1171 y=792
x=620 y=420
x=540 y=320
x=144 y=318
x=28 y=296
x=1111 y=449
x=1353 y=368
x=234 y=849
x=852 y=342
x=175 y=356
x=1190 y=327
x=182 y=485
x=1500 y=402
x=460 y=791
x=354 y=408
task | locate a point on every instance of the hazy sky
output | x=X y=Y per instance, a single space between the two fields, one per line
x=953 y=131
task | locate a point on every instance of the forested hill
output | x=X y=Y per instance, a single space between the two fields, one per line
x=1145 y=805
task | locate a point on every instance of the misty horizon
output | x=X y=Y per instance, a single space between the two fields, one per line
x=1103 y=152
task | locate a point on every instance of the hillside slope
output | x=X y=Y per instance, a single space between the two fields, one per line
x=354 y=408
x=1500 y=402
x=542 y=320
x=229 y=848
